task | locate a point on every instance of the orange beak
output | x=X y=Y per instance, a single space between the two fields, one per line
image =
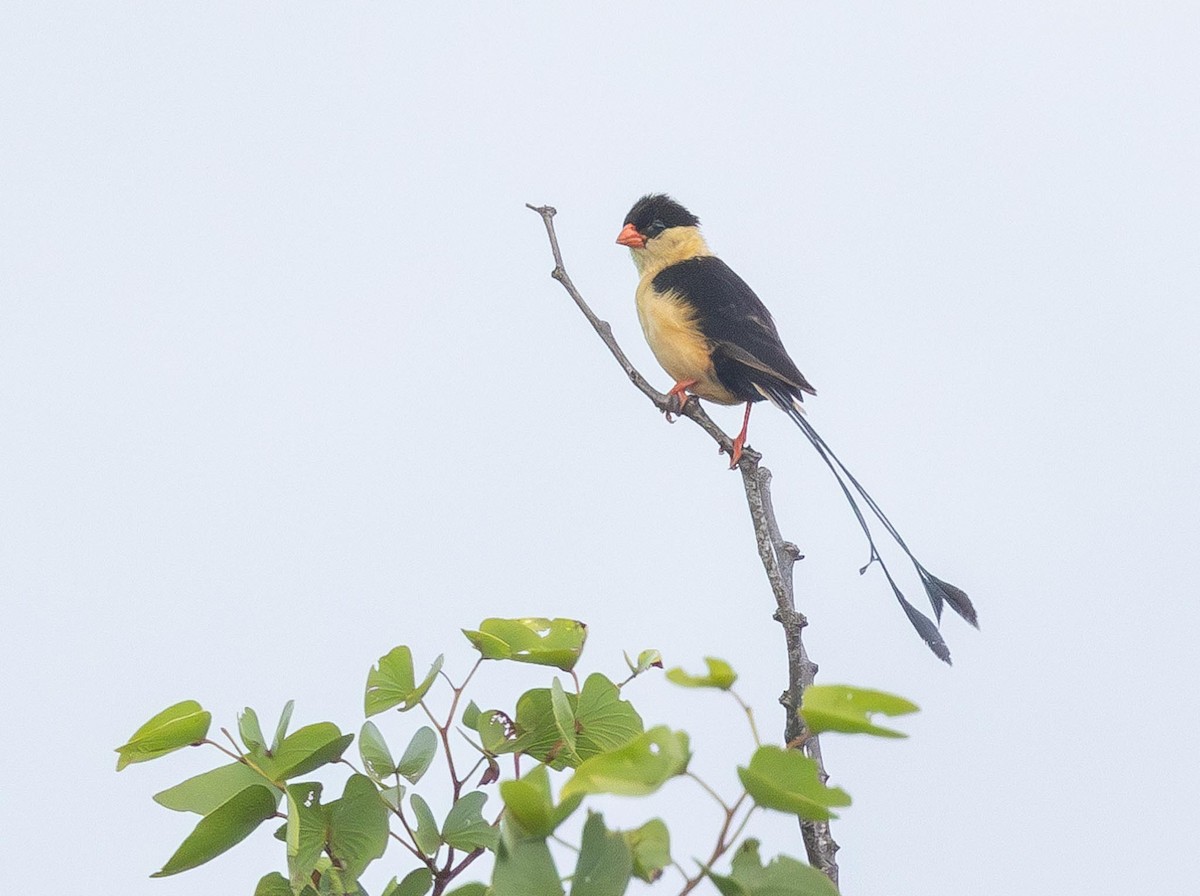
x=631 y=238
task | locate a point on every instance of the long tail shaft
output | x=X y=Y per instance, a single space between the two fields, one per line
x=939 y=592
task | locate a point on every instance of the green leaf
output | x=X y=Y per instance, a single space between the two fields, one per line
x=172 y=729
x=306 y=749
x=470 y=716
x=530 y=807
x=650 y=846
x=524 y=868
x=720 y=675
x=534 y=727
x=564 y=722
x=783 y=876
x=601 y=722
x=646 y=660
x=285 y=719
x=391 y=682
x=335 y=882
x=393 y=795
x=305 y=831
x=493 y=732
x=251 y=732
x=418 y=755
x=465 y=827
x=471 y=889
x=789 y=781
x=604 y=866
x=275 y=884
x=376 y=757
x=427 y=836
x=489 y=646
x=546 y=642
x=638 y=768
x=223 y=828
x=204 y=792
x=835 y=707
x=415 y=883
x=358 y=826
x=605 y=720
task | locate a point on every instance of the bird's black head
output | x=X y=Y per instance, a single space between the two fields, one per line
x=654 y=213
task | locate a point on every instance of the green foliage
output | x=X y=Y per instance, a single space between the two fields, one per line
x=303 y=751
x=579 y=739
x=605 y=864
x=415 y=883
x=172 y=729
x=465 y=827
x=418 y=755
x=647 y=659
x=545 y=642
x=720 y=675
x=638 y=768
x=650 y=847
x=205 y=792
x=782 y=876
x=838 y=707
x=223 y=828
x=391 y=683
x=790 y=782
x=529 y=806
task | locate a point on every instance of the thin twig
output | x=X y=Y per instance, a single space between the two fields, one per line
x=778 y=556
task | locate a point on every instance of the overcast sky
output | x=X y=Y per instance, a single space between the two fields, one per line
x=284 y=383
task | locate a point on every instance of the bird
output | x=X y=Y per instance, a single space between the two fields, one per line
x=716 y=339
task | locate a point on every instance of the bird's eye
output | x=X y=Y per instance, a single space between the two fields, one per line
x=656 y=227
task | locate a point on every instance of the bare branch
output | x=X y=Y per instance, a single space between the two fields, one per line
x=778 y=556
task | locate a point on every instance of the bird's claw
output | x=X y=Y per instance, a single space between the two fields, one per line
x=676 y=402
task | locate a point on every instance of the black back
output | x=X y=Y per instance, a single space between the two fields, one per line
x=746 y=347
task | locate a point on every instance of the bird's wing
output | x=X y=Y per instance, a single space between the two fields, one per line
x=734 y=320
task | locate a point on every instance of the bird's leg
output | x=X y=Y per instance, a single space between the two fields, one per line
x=740 y=441
x=678 y=396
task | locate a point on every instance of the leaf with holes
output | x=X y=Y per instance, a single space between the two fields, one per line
x=545 y=642
x=788 y=781
x=304 y=831
x=835 y=707
x=638 y=768
x=376 y=757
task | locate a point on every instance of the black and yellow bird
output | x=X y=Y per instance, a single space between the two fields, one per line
x=717 y=340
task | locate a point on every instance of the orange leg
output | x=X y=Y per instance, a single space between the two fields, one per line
x=740 y=441
x=679 y=394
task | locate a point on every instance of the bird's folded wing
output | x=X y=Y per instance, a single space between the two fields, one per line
x=733 y=319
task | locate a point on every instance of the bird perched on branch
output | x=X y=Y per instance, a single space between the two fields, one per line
x=717 y=340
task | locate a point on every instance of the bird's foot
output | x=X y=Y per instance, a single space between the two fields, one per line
x=677 y=398
x=736 y=455
x=740 y=442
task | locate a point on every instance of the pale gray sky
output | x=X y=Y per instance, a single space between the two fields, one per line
x=284 y=383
